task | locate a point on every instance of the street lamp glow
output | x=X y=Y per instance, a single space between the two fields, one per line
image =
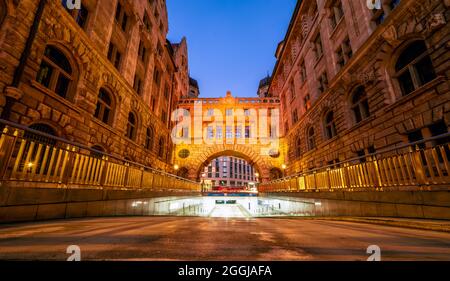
x=30 y=164
x=256 y=174
x=176 y=167
x=283 y=166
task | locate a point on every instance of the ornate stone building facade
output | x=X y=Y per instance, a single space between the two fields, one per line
x=229 y=126
x=102 y=74
x=354 y=79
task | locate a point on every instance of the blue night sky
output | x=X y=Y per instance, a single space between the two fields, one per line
x=231 y=43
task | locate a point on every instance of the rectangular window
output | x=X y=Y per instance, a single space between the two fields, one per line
x=323 y=83
x=142 y=53
x=302 y=72
x=137 y=84
x=307 y=102
x=229 y=132
x=294 y=116
x=219 y=132
x=210 y=132
x=114 y=56
x=247 y=132
x=318 y=47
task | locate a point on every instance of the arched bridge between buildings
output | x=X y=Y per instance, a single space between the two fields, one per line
x=192 y=159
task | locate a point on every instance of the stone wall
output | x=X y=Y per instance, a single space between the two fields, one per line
x=376 y=49
x=86 y=49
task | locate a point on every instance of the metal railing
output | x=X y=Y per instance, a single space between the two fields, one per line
x=32 y=158
x=422 y=165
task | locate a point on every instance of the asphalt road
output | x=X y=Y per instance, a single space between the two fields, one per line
x=172 y=238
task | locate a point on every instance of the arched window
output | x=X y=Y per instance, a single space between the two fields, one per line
x=311 y=138
x=97 y=151
x=330 y=126
x=2 y=11
x=161 y=147
x=42 y=161
x=131 y=126
x=298 y=150
x=44 y=128
x=149 y=138
x=104 y=110
x=55 y=72
x=414 y=67
x=360 y=105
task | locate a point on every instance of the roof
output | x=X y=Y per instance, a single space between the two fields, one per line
x=265 y=81
x=193 y=82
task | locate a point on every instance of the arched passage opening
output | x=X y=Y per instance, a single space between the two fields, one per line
x=229 y=169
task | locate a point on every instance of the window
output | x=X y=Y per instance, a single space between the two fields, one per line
x=360 y=105
x=414 y=68
x=307 y=102
x=294 y=116
x=137 y=86
x=336 y=13
x=161 y=147
x=247 y=132
x=131 y=126
x=80 y=15
x=344 y=53
x=323 y=83
x=210 y=132
x=238 y=132
x=149 y=138
x=44 y=128
x=55 y=72
x=42 y=161
x=163 y=116
x=147 y=23
x=292 y=89
x=311 y=138
x=156 y=77
x=330 y=126
x=219 y=133
x=121 y=17
x=229 y=112
x=114 y=56
x=2 y=11
x=103 y=112
x=318 y=47
x=229 y=132
x=97 y=151
x=166 y=92
x=302 y=72
x=298 y=150
x=142 y=53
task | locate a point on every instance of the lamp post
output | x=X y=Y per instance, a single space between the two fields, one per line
x=283 y=168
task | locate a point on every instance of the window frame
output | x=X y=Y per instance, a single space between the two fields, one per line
x=56 y=71
x=102 y=105
x=411 y=68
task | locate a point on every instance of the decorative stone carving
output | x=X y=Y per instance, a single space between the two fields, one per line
x=391 y=36
x=435 y=21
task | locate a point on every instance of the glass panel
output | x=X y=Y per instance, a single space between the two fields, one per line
x=62 y=86
x=406 y=83
x=44 y=74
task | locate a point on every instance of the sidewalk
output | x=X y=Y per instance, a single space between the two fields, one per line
x=425 y=224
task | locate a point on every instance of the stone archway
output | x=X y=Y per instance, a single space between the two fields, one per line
x=200 y=155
